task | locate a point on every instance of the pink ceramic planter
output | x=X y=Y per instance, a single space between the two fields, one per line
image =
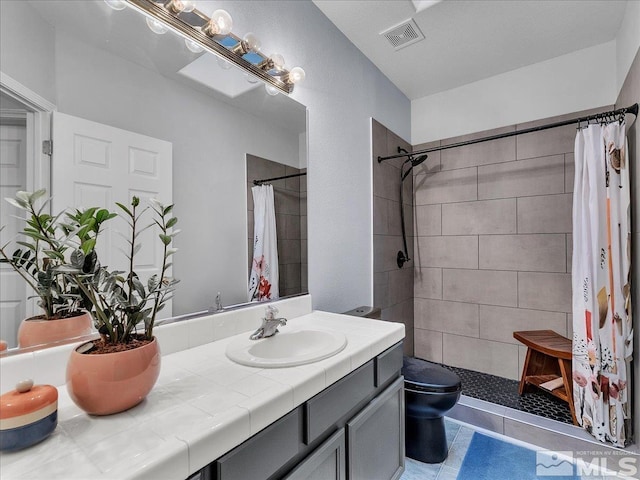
x=35 y=331
x=108 y=383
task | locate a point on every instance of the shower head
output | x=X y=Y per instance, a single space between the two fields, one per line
x=417 y=161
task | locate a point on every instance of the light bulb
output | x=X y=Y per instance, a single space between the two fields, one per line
x=278 y=61
x=250 y=78
x=223 y=64
x=116 y=4
x=271 y=90
x=180 y=6
x=253 y=42
x=193 y=46
x=221 y=23
x=297 y=75
x=156 y=26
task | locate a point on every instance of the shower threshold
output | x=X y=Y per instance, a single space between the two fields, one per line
x=493 y=403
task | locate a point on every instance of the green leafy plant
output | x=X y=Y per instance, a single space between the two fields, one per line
x=120 y=301
x=47 y=240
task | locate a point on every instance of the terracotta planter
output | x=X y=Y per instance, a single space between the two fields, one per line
x=36 y=331
x=102 y=384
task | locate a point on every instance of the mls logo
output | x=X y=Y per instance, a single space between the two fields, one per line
x=554 y=464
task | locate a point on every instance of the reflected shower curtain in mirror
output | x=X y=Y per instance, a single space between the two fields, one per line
x=263 y=278
x=602 y=327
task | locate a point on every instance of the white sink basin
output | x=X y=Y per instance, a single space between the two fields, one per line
x=286 y=349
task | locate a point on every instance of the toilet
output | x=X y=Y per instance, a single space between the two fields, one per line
x=430 y=391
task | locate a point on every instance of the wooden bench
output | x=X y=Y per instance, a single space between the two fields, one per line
x=548 y=358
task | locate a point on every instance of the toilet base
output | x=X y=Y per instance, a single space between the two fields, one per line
x=426 y=440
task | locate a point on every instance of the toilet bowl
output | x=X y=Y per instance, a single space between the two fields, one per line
x=430 y=392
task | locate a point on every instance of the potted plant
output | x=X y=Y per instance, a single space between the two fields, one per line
x=47 y=239
x=117 y=371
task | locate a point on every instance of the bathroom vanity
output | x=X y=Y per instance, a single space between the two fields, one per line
x=211 y=418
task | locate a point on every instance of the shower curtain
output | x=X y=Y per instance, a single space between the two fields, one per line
x=263 y=279
x=601 y=281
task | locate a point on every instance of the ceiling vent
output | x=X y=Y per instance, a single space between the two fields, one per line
x=403 y=35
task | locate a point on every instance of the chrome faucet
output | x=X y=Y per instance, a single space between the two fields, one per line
x=218 y=306
x=269 y=325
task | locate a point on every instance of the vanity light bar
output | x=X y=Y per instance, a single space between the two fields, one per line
x=177 y=22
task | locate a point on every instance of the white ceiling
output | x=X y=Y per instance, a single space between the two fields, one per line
x=469 y=40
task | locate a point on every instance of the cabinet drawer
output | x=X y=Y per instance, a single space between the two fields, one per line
x=329 y=406
x=388 y=364
x=264 y=453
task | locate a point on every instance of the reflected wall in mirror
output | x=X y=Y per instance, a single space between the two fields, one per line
x=105 y=66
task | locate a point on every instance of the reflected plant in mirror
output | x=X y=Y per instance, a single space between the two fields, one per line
x=46 y=240
x=120 y=301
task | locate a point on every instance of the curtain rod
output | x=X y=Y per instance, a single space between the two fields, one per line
x=621 y=111
x=264 y=180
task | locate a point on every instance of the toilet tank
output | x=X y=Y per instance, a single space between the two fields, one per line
x=365 y=311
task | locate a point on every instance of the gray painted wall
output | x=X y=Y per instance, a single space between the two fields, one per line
x=28 y=54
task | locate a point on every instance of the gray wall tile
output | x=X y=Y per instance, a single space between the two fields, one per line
x=533 y=253
x=385 y=249
x=380 y=216
x=537 y=176
x=495 y=151
x=402 y=313
x=400 y=285
x=446 y=187
x=428 y=220
x=569 y=172
x=499 y=323
x=428 y=345
x=545 y=214
x=546 y=142
x=545 y=291
x=449 y=317
x=381 y=290
x=386 y=181
x=569 y=252
x=481 y=217
x=477 y=354
x=393 y=216
x=450 y=252
x=427 y=282
x=480 y=286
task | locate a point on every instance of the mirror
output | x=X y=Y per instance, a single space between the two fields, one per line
x=106 y=66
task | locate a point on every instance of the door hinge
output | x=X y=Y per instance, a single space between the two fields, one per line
x=47 y=147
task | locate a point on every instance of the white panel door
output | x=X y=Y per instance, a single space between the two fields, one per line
x=13 y=290
x=97 y=165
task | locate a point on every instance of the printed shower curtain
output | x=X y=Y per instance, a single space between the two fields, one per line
x=602 y=327
x=263 y=279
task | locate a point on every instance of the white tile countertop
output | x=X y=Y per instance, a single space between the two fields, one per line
x=202 y=406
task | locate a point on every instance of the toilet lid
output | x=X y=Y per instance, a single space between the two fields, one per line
x=428 y=377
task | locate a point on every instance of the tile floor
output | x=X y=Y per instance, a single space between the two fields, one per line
x=458 y=439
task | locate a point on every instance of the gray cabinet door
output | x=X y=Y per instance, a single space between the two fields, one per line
x=375 y=437
x=327 y=462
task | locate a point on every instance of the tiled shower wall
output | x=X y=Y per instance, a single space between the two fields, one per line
x=290 y=198
x=630 y=94
x=493 y=246
x=393 y=286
